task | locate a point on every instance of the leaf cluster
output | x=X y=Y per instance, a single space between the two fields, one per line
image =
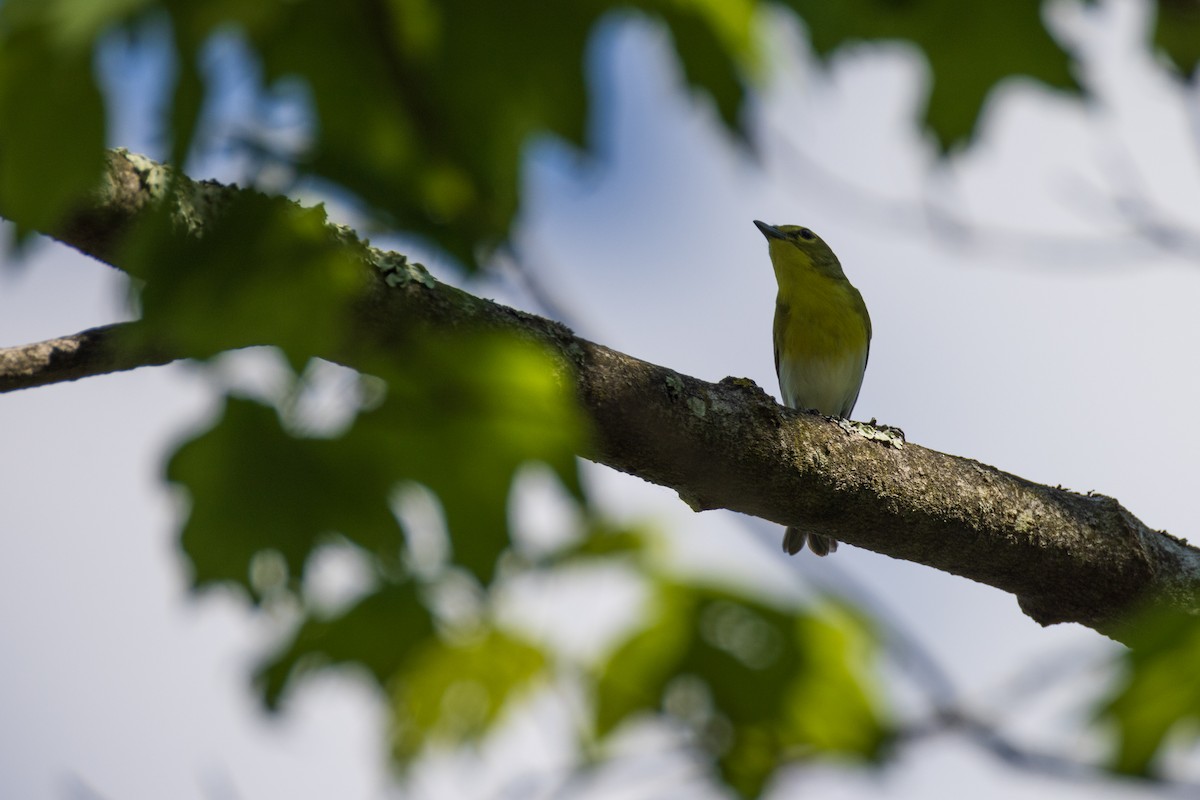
x=423 y=108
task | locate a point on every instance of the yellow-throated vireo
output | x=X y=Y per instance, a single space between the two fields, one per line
x=822 y=337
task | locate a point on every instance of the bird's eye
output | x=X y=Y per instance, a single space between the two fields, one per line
x=805 y=234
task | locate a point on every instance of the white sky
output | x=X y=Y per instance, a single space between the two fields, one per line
x=1062 y=354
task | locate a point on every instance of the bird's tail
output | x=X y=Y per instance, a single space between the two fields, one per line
x=794 y=538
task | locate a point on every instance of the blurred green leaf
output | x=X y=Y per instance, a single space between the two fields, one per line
x=461 y=416
x=970 y=46
x=636 y=674
x=192 y=27
x=1177 y=33
x=51 y=124
x=255 y=488
x=759 y=686
x=67 y=25
x=380 y=633
x=602 y=540
x=788 y=686
x=714 y=40
x=454 y=691
x=830 y=703
x=423 y=108
x=424 y=111
x=1160 y=690
x=263 y=271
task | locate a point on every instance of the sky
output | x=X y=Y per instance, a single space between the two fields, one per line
x=1018 y=320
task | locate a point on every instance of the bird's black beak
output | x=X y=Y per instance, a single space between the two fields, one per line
x=769 y=231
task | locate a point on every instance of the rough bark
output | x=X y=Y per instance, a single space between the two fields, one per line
x=1067 y=557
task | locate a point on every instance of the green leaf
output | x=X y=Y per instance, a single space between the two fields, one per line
x=193 y=24
x=1177 y=33
x=1160 y=690
x=716 y=48
x=380 y=633
x=636 y=675
x=423 y=108
x=461 y=416
x=759 y=686
x=188 y=99
x=424 y=111
x=455 y=691
x=69 y=25
x=262 y=271
x=51 y=123
x=789 y=686
x=971 y=47
x=602 y=540
x=255 y=488
x=830 y=703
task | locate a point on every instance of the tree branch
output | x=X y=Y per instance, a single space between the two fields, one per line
x=95 y=351
x=1067 y=557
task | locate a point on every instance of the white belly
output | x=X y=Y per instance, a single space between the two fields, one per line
x=829 y=385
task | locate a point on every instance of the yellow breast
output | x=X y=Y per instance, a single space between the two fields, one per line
x=822 y=340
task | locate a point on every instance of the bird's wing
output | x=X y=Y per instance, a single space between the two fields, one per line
x=862 y=308
x=781 y=315
x=849 y=407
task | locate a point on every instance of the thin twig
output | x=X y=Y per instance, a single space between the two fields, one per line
x=96 y=351
x=1029 y=759
x=907 y=216
x=516 y=265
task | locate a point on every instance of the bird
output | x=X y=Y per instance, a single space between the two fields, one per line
x=822 y=338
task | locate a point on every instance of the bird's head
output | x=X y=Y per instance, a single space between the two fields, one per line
x=794 y=246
